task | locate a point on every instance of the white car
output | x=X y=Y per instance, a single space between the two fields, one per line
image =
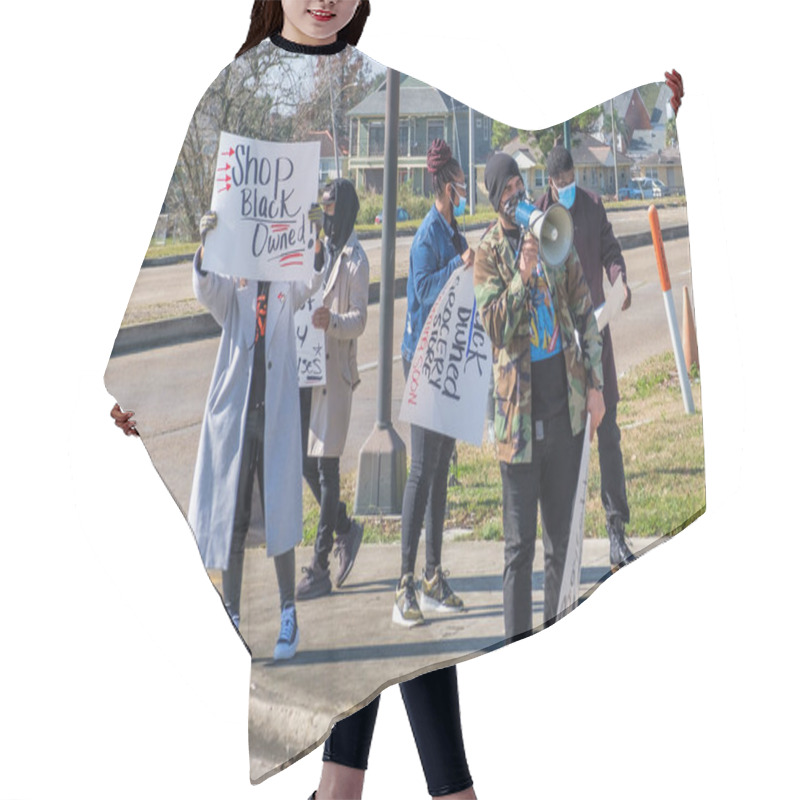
x=660 y=189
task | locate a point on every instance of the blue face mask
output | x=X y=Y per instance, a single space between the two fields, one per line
x=460 y=209
x=566 y=195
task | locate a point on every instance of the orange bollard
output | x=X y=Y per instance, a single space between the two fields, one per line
x=669 y=303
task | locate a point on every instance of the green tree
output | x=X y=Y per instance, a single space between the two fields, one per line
x=672 y=132
x=502 y=134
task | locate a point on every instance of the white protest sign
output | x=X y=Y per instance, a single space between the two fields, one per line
x=448 y=382
x=615 y=297
x=262 y=194
x=310 y=344
x=571 y=580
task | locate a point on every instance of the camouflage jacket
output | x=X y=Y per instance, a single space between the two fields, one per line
x=505 y=306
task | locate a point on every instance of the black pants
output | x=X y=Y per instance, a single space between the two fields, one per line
x=252 y=466
x=425 y=495
x=549 y=479
x=431 y=702
x=322 y=477
x=612 y=471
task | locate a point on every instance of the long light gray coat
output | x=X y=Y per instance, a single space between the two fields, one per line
x=213 y=500
x=346 y=295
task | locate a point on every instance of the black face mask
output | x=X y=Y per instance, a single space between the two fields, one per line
x=510 y=207
x=327 y=225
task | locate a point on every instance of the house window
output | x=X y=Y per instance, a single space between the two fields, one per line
x=651 y=173
x=354 y=136
x=539 y=180
x=435 y=130
x=376 y=138
x=403 y=139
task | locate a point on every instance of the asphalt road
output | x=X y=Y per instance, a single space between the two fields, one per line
x=164 y=292
x=167 y=386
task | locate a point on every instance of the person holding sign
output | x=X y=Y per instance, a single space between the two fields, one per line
x=308 y=31
x=545 y=383
x=251 y=427
x=438 y=249
x=431 y=699
x=325 y=410
x=598 y=250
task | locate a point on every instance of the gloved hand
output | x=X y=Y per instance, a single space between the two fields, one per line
x=675 y=82
x=207 y=223
x=315 y=214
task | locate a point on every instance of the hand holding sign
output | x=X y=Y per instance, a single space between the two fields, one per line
x=321 y=318
x=311 y=342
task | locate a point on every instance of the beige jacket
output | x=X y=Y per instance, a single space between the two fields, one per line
x=346 y=295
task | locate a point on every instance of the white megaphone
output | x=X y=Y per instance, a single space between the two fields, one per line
x=553 y=228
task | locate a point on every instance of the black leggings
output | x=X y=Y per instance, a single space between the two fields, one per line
x=432 y=706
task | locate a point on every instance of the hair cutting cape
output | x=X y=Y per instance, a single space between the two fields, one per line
x=169 y=367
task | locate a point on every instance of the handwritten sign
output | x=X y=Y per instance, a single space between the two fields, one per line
x=448 y=382
x=571 y=580
x=263 y=191
x=615 y=297
x=310 y=344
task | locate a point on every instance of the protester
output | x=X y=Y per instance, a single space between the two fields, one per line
x=598 y=249
x=545 y=383
x=322 y=28
x=438 y=249
x=325 y=410
x=251 y=427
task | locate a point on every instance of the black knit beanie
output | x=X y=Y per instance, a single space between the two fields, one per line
x=499 y=170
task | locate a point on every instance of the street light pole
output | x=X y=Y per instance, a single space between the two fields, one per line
x=382 y=460
x=333 y=125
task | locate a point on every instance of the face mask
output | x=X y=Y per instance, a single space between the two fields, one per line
x=510 y=207
x=566 y=195
x=458 y=210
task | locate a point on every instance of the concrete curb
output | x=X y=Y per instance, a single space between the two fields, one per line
x=135 y=338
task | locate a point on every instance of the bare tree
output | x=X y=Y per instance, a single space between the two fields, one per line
x=258 y=95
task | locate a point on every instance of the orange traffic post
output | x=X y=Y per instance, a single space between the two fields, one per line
x=669 y=303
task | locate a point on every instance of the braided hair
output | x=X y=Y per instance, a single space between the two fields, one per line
x=443 y=167
x=266 y=19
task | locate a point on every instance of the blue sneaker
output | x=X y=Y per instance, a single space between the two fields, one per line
x=289 y=637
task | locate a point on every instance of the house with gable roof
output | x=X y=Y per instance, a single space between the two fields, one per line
x=594 y=165
x=426 y=113
x=632 y=110
x=531 y=163
x=666 y=166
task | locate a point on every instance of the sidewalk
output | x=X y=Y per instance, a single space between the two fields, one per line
x=293 y=703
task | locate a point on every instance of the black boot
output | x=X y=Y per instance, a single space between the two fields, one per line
x=316 y=582
x=619 y=552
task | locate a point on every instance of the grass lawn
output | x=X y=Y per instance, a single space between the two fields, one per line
x=662 y=447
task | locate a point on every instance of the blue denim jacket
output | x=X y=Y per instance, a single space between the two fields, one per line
x=433 y=260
